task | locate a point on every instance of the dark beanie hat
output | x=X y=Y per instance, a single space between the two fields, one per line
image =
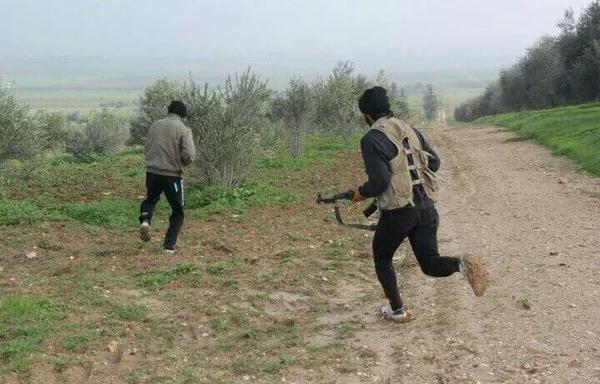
x=178 y=108
x=374 y=102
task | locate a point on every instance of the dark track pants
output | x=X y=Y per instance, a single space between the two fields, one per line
x=420 y=226
x=172 y=187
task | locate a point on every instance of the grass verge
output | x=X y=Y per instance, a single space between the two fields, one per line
x=572 y=131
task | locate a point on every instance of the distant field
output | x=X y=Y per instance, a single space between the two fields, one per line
x=570 y=131
x=80 y=94
x=124 y=113
x=450 y=97
x=85 y=94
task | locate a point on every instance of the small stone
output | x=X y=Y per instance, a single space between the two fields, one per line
x=325 y=279
x=553 y=253
x=246 y=377
x=572 y=305
x=113 y=346
x=31 y=255
x=204 y=334
x=562 y=181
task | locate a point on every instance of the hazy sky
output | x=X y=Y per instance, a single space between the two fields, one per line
x=455 y=32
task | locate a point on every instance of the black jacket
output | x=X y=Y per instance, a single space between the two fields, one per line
x=377 y=151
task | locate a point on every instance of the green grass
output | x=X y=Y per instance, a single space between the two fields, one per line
x=572 y=131
x=215 y=198
x=157 y=278
x=110 y=213
x=21 y=212
x=24 y=323
x=80 y=340
x=129 y=312
x=318 y=149
x=104 y=191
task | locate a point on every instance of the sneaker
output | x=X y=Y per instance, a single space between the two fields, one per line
x=474 y=271
x=145 y=234
x=169 y=250
x=399 y=315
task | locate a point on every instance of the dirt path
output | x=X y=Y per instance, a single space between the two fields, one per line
x=535 y=221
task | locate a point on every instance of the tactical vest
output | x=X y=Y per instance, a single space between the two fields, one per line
x=410 y=158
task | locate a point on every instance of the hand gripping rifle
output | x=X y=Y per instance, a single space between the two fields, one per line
x=338 y=199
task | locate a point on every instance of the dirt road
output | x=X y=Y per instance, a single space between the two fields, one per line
x=535 y=221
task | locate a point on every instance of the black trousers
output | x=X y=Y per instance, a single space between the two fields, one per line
x=172 y=186
x=420 y=226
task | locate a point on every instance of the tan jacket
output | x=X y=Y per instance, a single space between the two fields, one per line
x=169 y=147
x=400 y=191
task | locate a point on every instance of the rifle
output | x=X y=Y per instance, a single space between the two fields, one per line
x=338 y=199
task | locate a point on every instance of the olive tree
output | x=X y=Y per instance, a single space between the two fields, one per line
x=53 y=130
x=295 y=108
x=152 y=105
x=19 y=131
x=227 y=123
x=431 y=103
x=397 y=96
x=103 y=134
x=336 y=99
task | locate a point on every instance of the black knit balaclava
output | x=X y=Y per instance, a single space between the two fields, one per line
x=375 y=103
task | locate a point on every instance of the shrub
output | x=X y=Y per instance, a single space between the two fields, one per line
x=397 y=96
x=153 y=106
x=19 y=134
x=103 y=134
x=295 y=108
x=53 y=130
x=336 y=100
x=227 y=124
x=431 y=103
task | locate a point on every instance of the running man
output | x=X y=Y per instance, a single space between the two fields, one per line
x=401 y=167
x=168 y=150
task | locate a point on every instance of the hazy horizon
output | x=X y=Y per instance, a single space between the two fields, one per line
x=278 y=38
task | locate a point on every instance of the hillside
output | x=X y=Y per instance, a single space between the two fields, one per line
x=570 y=131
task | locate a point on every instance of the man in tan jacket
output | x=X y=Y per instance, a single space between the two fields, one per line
x=168 y=150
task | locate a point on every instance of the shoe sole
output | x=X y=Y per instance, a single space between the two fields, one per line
x=477 y=274
x=403 y=319
x=145 y=233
